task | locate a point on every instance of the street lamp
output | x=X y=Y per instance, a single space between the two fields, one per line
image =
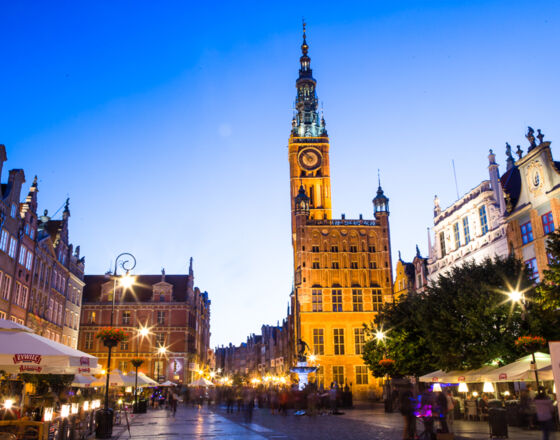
x=517 y=297
x=142 y=332
x=161 y=351
x=127 y=262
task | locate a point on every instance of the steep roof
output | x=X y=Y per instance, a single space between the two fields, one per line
x=142 y=288
x=511 y=184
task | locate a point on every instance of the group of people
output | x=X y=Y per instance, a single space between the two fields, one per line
x=437 y=410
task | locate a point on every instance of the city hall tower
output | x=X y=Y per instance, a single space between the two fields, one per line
x=342 y=267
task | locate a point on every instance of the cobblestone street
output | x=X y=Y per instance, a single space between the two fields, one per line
x=356 y=424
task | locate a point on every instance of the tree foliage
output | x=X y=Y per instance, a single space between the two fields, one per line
x=463 y=321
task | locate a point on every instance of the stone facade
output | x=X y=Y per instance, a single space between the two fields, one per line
x=40 y=274
x=532 y=193
x=342 y=267
x=176 y=312
x=473 y=228
x=411 y=277
x=270 y=352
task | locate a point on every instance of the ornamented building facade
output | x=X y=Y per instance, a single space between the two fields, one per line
x=342 y=267
x=473 y=228
x=41 y=277
x=532 y=194
x=176 y=312
x=411 y=277
x=271 y=352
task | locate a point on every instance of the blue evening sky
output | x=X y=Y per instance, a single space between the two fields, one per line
x=167 y=123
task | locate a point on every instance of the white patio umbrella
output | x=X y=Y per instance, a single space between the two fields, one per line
x=116 y=379
x=434 y=376
x=23 y=351
x=520 y=370
x=145 y=381
x=201 y=382
x=81 y=381
x=167 y=383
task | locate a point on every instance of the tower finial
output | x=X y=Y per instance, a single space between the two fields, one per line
x=378 y=178
x=304 y=46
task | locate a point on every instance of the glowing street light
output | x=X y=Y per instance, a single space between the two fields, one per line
x=161 y=351
x=515 y=296
x=127 y=281
x=8 y=403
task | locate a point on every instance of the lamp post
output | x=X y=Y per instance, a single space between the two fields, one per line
x=160 y=351
x=380 y=337
x=142 y=333
x=517 y=297
x=127 y=262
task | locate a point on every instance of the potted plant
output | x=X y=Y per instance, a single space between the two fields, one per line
x=111 y=336
x=531 y=344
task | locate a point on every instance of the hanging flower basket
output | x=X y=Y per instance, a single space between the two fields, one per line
x=530 y=343
x=387 y=365
x=136 y=362
x=111 y=336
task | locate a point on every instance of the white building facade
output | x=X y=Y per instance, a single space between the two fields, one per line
x=473 y=228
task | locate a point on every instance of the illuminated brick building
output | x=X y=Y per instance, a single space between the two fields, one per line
x=177 y=313
x=342 y=267
x=532 y=195
x=40 y=273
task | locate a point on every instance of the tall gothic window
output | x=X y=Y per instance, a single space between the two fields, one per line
x=456 y=235
x=442 y=243
x=466 y=231
x=317 y=298
x=483 y=219
x=338 y=338
x=337 y=300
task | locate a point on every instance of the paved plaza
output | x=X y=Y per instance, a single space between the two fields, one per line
x=358 y=424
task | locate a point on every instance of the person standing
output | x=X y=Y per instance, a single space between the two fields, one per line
x=450 y=409
x=407 y=411
x=544 y=412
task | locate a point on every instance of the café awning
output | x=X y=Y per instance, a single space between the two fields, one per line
x=23 y=351
x=520 y=370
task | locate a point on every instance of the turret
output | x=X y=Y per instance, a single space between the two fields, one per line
x=302 y=202
x=380 y=203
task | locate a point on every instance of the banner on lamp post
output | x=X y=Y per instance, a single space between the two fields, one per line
x=554 y=347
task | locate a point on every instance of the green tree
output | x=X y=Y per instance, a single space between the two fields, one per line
x=463 y=321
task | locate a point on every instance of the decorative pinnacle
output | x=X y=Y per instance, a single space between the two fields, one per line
x=304 y=46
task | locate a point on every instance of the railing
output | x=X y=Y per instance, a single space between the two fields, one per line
x=340 y=222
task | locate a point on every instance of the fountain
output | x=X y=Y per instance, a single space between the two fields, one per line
x=302 y=368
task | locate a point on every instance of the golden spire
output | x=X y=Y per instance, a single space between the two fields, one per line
x=304 y=46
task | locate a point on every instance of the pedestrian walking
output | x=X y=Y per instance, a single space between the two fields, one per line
x=450 y=409
x=333 y=395
x=545 y=411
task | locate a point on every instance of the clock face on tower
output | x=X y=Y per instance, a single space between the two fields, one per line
x=309 y=159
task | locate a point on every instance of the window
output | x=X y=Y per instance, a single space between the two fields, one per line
x=335 y=265
x=162 y=296
x=337 y=300
x=315 y=265
x=359 y=340
x=376 y=299
x=317 y=300
x=24 y=292
x=456 y=235
x=353 y=249
x=160 y=339
x=483 y=219
x=13 y=210
x=532 y=269
x=124 y=345
x=338 y=334
x=318 y=341
x=314 y=248
x=125 y=318
x=161 y=317
x=92 y=316
x=372 y=265
x=22 y=255
x=442 y=243
x=88 y=341
x=123 y=366
x=371 y=249
x=357 y=300
x=548 y=223
x=320 y=376
x=361 y=375
x=334 y=248
x=419 y=284
x=526 y=232
x=338 y=374
x=17 y=293
x=12 y=249
x=466 y=231
x=4 y=240
x=2 y=315
x=29 y=260
x=6 y=283
x=353 y=265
